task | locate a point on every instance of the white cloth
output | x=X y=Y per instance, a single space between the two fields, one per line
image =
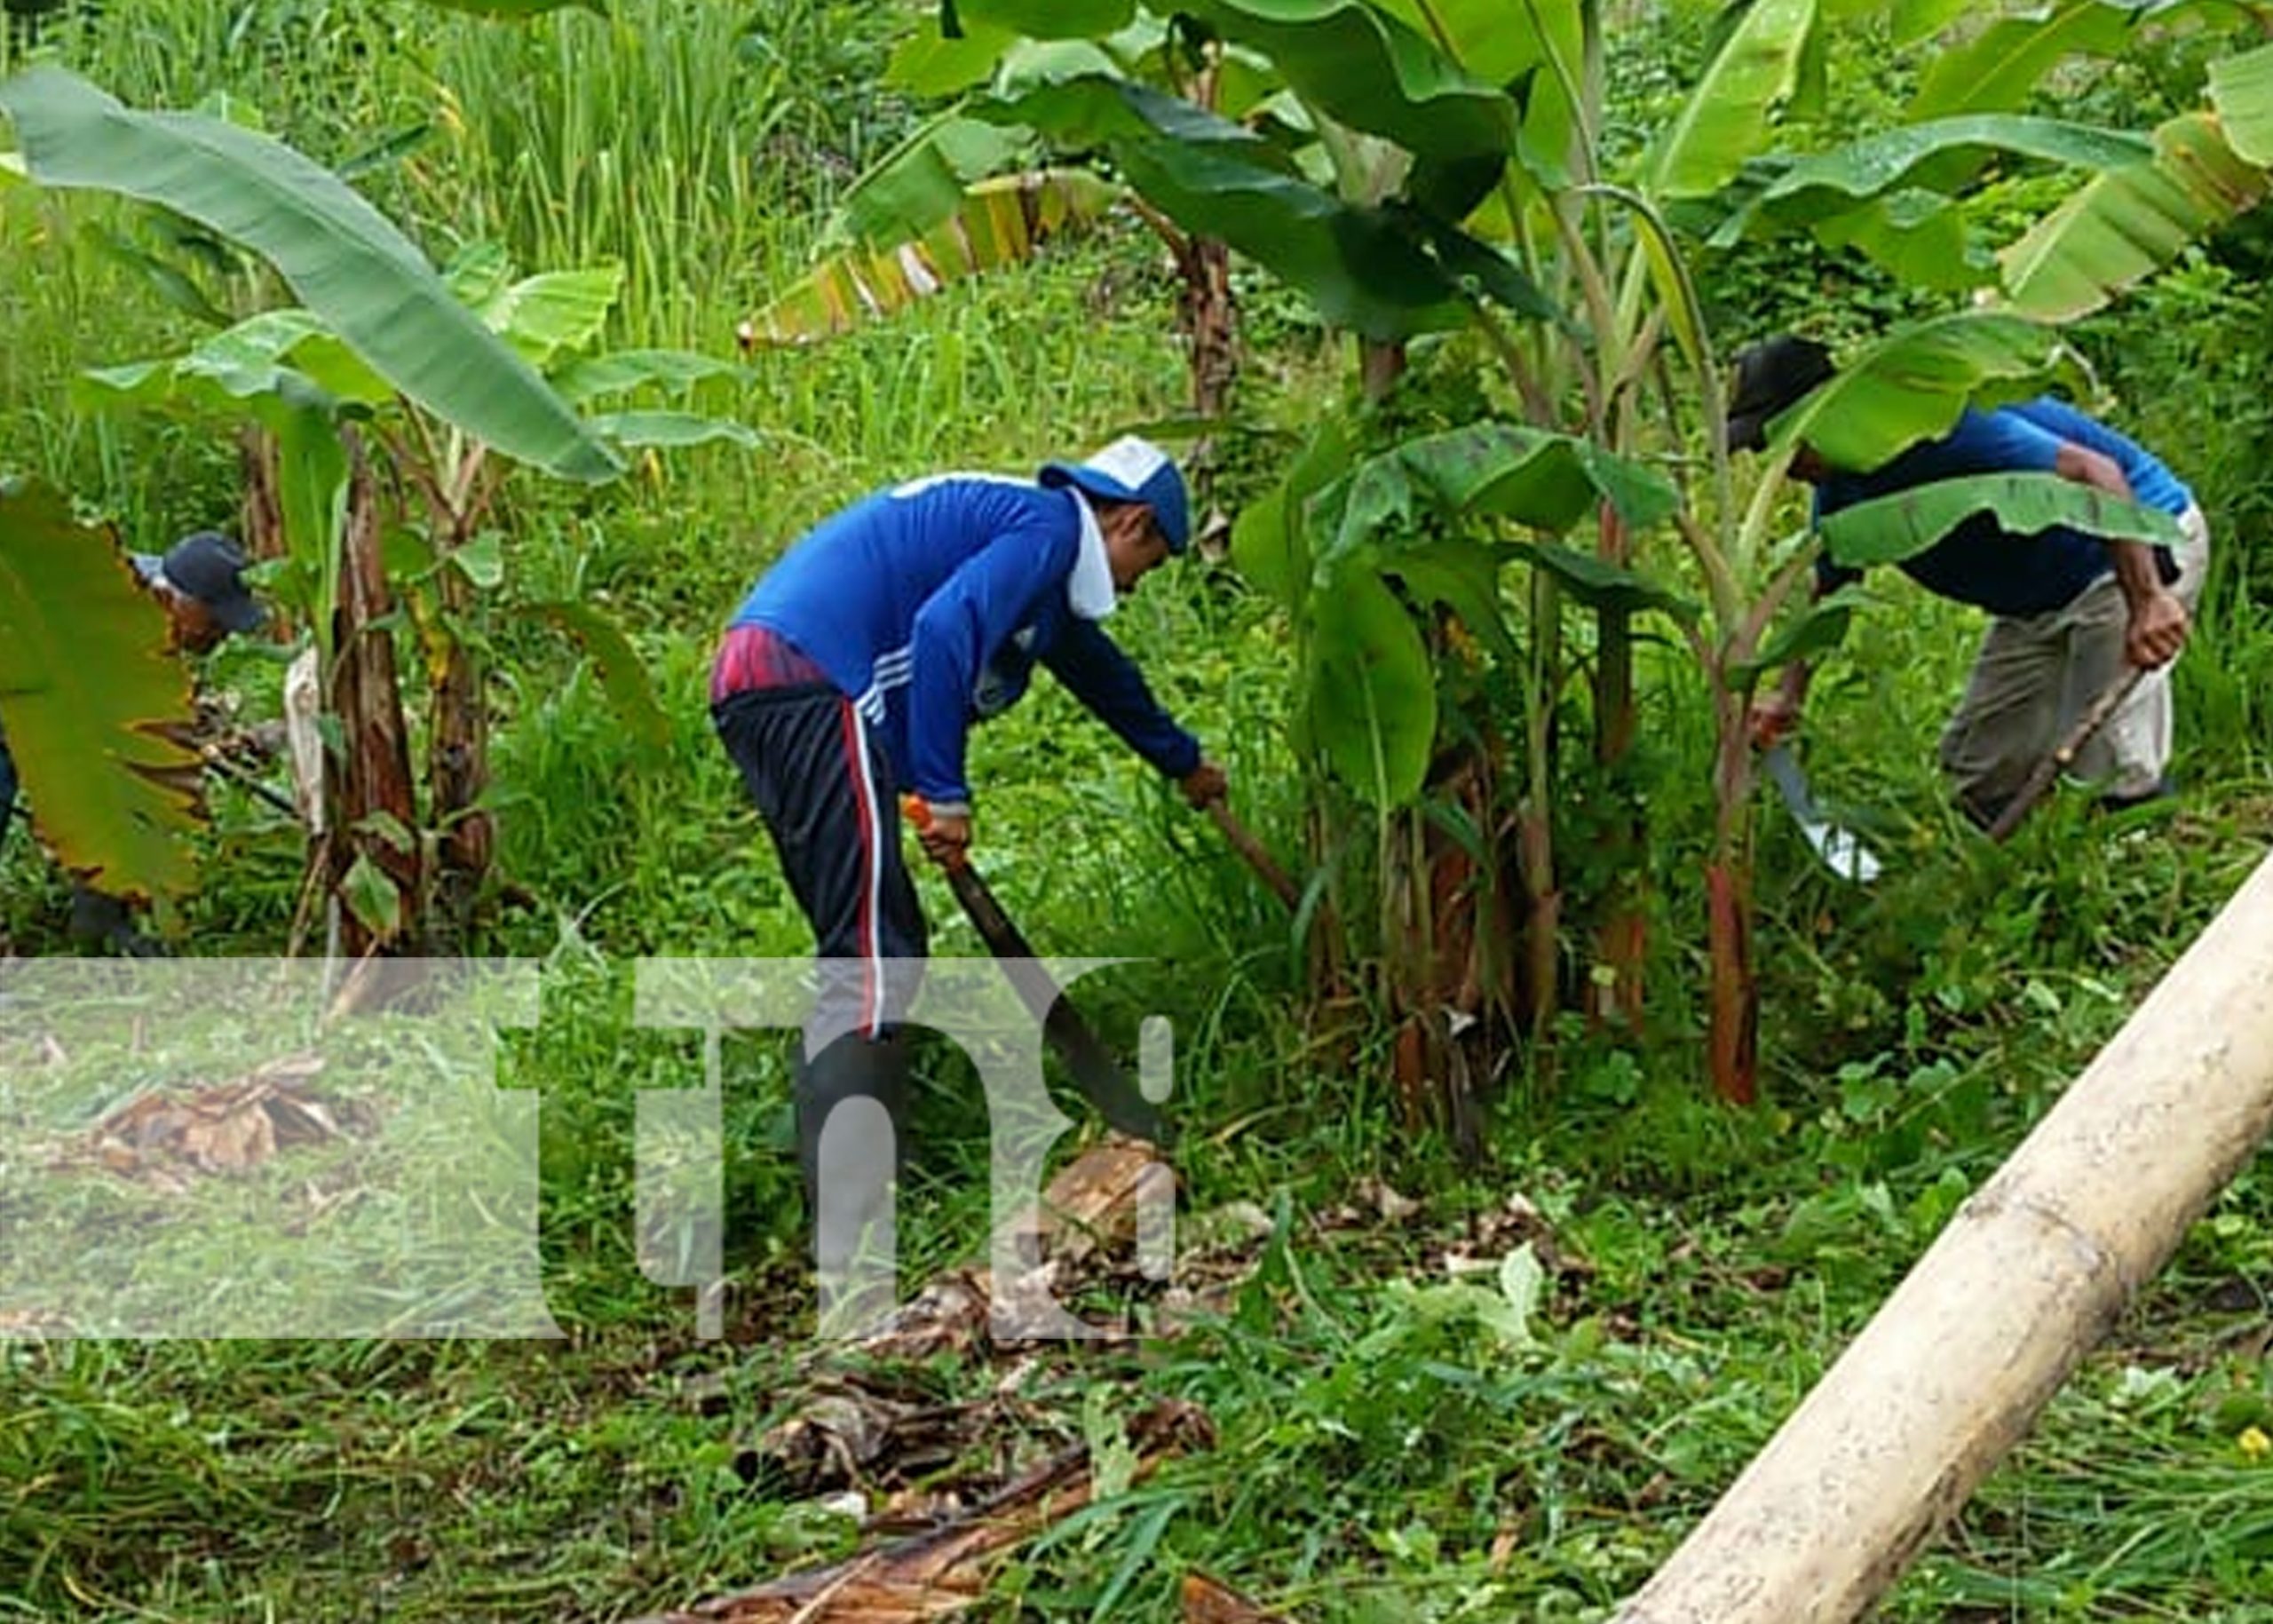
x=1090 y=591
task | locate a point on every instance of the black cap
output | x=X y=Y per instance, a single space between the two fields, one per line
x=208 y=567
x=1771 y=376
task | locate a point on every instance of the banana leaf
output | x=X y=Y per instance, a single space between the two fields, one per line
x=2241 y=88
x=1371 y=704
x=1914 y=384
x=1001 y=223
x=1371 y=72
x=2130 y=222
x=1888 y=529
x=346 y=260
x=94 y=708
x=1724 y=121
x=1999 y=69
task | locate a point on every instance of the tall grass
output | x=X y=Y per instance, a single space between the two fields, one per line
x=681 y=138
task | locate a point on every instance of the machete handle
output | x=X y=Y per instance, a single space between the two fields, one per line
x=1257 y=858
x=918 y=813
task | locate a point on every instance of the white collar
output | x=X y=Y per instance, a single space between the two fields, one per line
x=1089 y=591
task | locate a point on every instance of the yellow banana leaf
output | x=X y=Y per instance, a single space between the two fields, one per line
x=1002 y=221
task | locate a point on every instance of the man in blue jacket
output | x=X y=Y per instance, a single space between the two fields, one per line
x=2071 y=612
x=854 y=672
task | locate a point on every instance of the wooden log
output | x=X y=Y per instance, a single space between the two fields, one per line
x=2030 y=1274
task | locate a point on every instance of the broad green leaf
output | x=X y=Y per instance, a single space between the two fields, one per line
x=1371 y=705
x=1358 y=266
x=1918 y=237
x=1600 y=584
x=1034 y=62
x=1492 y=40
x=1643 y=497
x=923 y=181
x=1464 y=576
x=312 y=476
x=672 y=431
x=91 y=703
x=1372 y=73
x=1914 y=384
x=2241 y=89
x=2130 y=222
x=930 y=64
x=1542 y=480
x=1514 y=46
x=346 y=262
x=1000 y=223
x=1271 y=540
x=1889 y=529
x=1489 y=272
x=618 y=372
x=1050 y=19
x=372 y=896
x=283 y=353
x=479 y=272
x=1268 y=551
x=1725 y=119
x=1880 y=163
x=623 y=675
x=1091 y=110
x=2001 y=67
x=540 y=316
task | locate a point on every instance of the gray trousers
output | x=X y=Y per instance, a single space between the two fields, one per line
x=2036 y=673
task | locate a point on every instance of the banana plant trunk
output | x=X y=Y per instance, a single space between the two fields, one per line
x=457 y=756
x=1380 y=365
x=374 y=809
x=1733 y=1040
x=1622 y=940
x=2028 y=1277
x=1541 y=989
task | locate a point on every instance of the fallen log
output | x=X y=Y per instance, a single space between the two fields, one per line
x=2030 y=1274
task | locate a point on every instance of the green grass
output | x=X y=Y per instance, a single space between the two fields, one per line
x=1383 y=1449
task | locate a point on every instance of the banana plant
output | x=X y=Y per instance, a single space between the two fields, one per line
x=380 y=345
x=443 y=557
x=1389 y=564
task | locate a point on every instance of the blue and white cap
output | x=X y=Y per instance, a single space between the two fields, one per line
x=1132 y=469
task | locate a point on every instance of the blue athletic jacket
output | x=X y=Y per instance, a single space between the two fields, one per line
x=929 y=605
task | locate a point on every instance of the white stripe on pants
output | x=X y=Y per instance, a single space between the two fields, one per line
x=2036 y=673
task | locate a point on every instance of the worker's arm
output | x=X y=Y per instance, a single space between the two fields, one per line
x=2158 y=624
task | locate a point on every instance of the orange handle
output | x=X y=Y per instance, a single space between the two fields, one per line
x=918 y=813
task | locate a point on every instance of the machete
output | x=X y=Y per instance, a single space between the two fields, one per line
x=1841 y=850
x=1095 y=1072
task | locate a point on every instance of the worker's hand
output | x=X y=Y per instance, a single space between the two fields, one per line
x=1774 y=716
x=1204 y=783
x=2157 y=630
x=946 y=838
